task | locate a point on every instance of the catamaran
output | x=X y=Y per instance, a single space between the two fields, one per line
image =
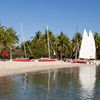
x=88 y=49
x=49 y=59
x=25 y=54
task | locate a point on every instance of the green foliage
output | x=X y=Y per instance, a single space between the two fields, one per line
x=8 y=38
x=61 y=45
x=97 y=39
x=37 y=47
x=97 y=43
x=75 y=44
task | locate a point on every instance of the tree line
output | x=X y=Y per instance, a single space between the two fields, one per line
x=61 y=46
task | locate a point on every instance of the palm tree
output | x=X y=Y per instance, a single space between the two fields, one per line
x=12 y=39
x=2 y=32
x=51 y=41
x=8 y=38
x=76 y=43
x=97 y=39
x=38 y=36
x=63 y=45
x=38 y=45
x=97 y=43
x=26 y=47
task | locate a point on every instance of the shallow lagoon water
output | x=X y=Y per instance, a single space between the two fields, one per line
x=77 y=83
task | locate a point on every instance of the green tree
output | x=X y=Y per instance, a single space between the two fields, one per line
x=97 y=39
x=26 y=47
x=63 y=45
x=51 y=42
x=97 y=43
x=75 y=44
x=8 y=38
x=38 y=36
x=38 y=45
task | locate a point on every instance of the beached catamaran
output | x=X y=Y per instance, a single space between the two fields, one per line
x=87 y=53
x=49 y=59
x=25 y=59
x=88 y=49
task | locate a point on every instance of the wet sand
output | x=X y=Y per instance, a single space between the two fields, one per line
x=11 y=67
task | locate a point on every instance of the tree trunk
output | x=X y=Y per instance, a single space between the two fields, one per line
x=10 y=54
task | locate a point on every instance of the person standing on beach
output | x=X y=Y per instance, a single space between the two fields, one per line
x=4 y=54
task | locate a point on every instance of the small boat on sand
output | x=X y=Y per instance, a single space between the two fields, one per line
x=47 y=60
x=87 y=54
x=22 y=60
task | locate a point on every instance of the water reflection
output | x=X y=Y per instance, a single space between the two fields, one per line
x=6 y=84
x=77 y=83
x=87 y=77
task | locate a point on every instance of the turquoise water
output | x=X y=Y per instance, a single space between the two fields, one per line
x=80 y=83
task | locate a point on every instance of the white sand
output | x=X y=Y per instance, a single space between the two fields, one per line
x=11 y=67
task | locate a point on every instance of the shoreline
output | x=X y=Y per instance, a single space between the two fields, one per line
x=9 y=68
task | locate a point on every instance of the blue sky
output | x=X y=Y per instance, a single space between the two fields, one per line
x=59 y=15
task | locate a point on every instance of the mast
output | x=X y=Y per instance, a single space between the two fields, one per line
x=76 y=44
x=23 y=40
x=76 y=49
x=48 y=43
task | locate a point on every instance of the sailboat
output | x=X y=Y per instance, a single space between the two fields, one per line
x=49 y=59
x=25 y=54
x=88 y=49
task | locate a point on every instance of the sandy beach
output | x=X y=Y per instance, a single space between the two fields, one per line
x=11 y=67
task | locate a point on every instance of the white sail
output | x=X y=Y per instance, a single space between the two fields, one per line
x=87 y=50
x=92 y=51
x=87 y=81
x=84 y=46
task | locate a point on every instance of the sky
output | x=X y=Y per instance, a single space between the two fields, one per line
x=68 y=16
